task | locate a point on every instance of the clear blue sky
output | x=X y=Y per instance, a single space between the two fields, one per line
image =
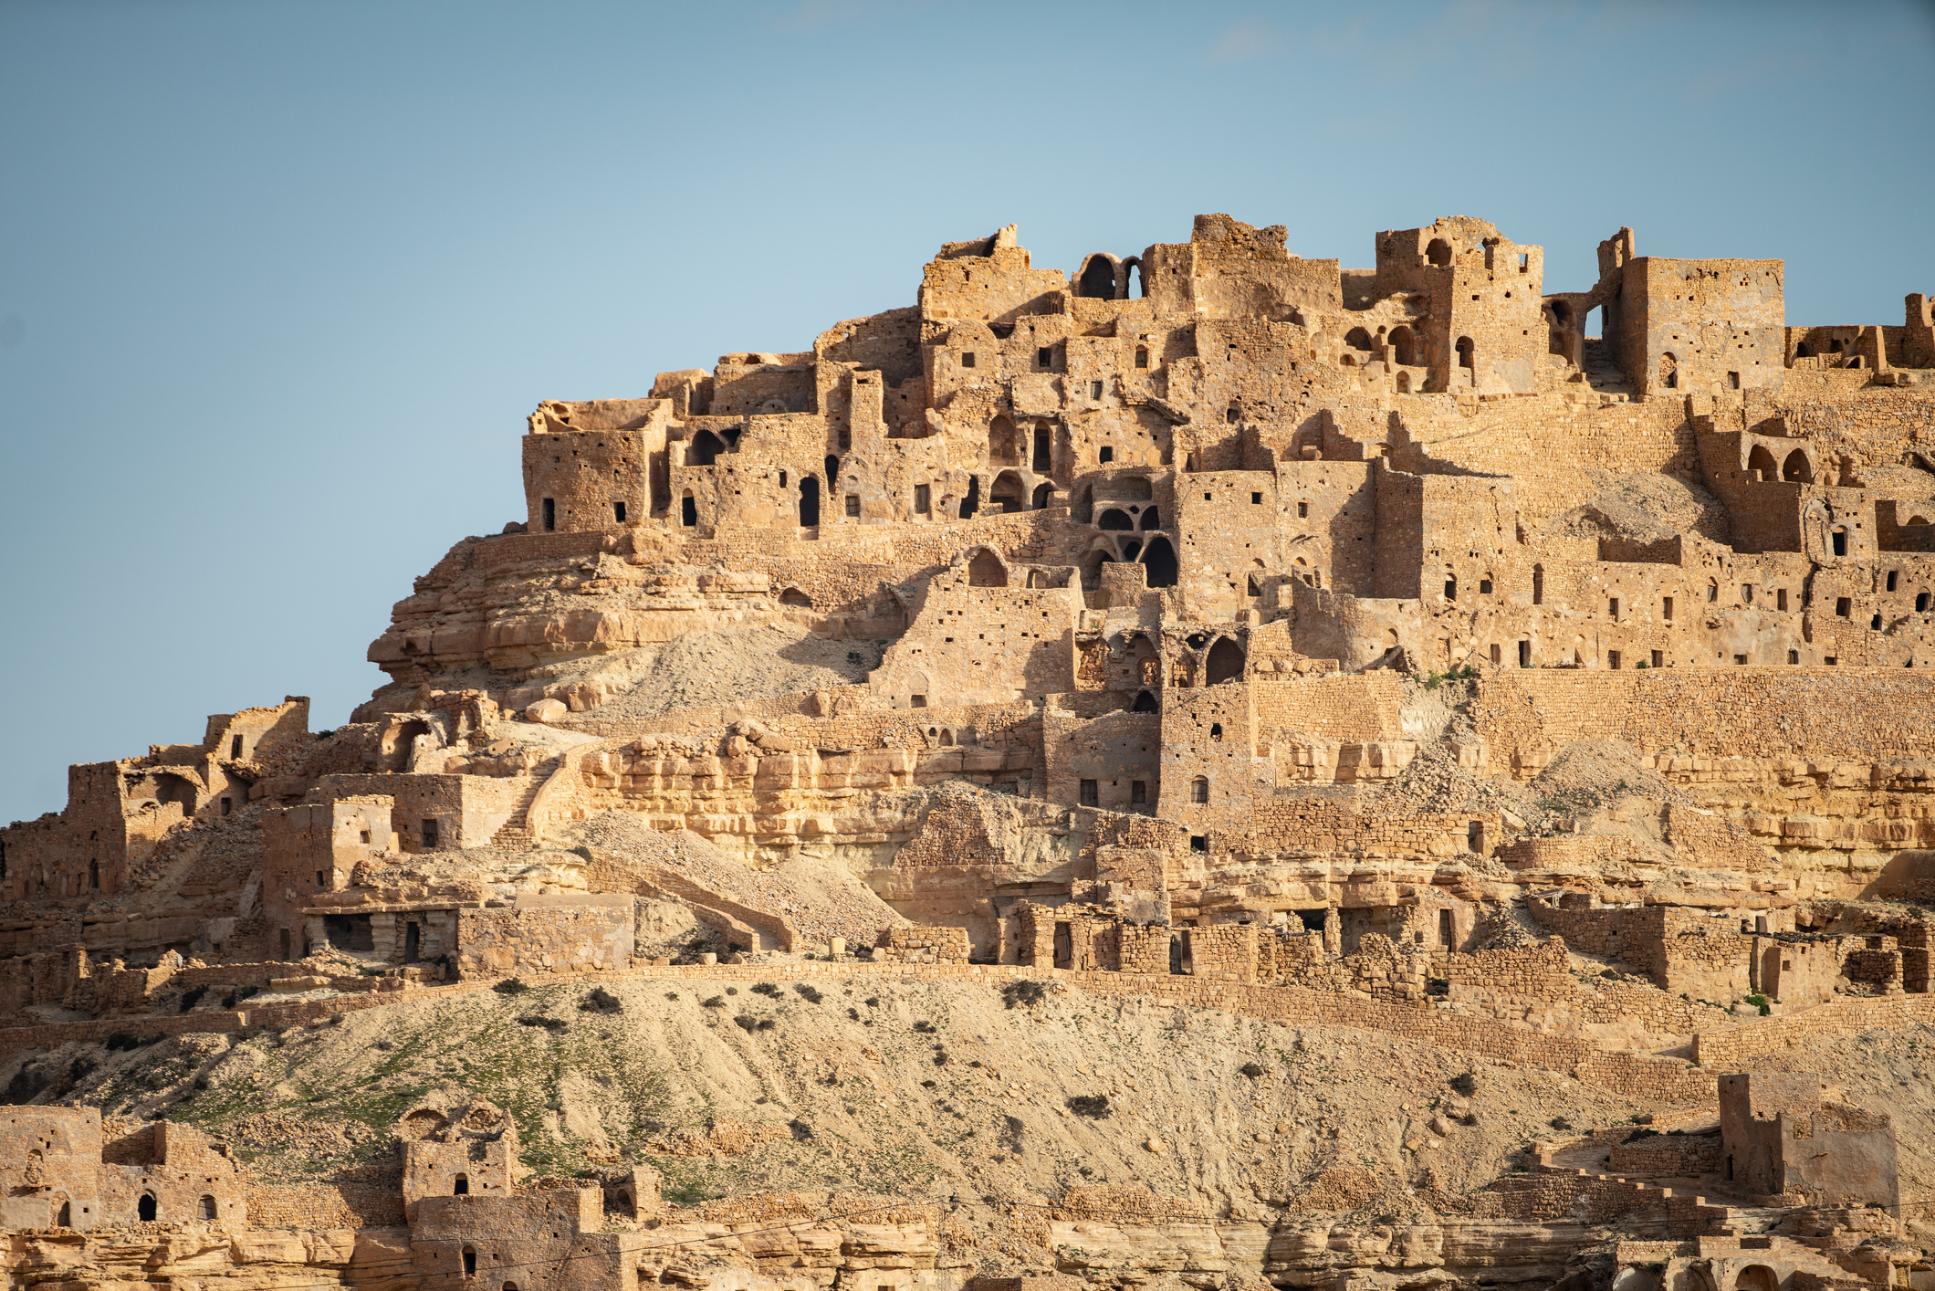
x=279 y=282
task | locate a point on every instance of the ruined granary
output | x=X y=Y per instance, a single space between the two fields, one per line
x=1218 y=768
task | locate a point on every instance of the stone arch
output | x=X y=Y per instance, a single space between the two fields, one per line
x=1044 y=494
x=1115 y=518
x=146 y=1208
x=1008 y=493
x=1438 y=252
x=1134 y=488
x=1096 y=280
x=1797 y=469
x=794 y=597
x=987 y=569
x=1761 y=465
x=1004 y=441
x=1358 y=339
x=1468 y=355
x=1224 y=662
x=1131 y=548
x=1756 y=1277
x=1669 y=371
x=1159 y=559
x=1145 y=702
x=1406 y=349
x=1151 y=518
x=704 y=449
x=1134 y=282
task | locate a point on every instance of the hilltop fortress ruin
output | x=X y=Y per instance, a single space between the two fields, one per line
x=1411 y=665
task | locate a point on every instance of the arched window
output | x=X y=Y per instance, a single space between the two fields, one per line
x=1358 y=339
x=1796 y=470
x=1097 y=279
x=1114 y=518
x=208 y=1207
x=1145 y=702
x=1215 y=730
x=65 y=1219
x=461 y=1188
x=832 y=465
x=1438 y=252
x=1467 y=354
x=1137 y=284
x=1159 y=560
x=1760 y=464
x=1044 y=492
x=1199 y=790
x=1223 y=663
x=145 y=1209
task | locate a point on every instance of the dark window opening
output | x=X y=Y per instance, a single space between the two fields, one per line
x=1044 y=450
x=470 y=1261
x=429 y=832
x=1525 y=654
x=689 y=511
x=235 y=744
x=853 y=505
x=923 y=500
x=412 y=942
x=1064 y=945
x=550 y=515
x=208 y=1207
x=1090 y=793
x=1106 y=456
x=809 y=501
x=1142 y=356
x=967 y=358
x=972 y=501
x=1159 y=562
x=144 y=1209
x=1145 y=702
x=1045 y=358
x=1138 y=792
x=1199 y=790
x=1840 y=537
x=461 y=1186
x=1199 y=842
x=618 y=511
x=1447 y=929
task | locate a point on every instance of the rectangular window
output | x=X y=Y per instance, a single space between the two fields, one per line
x=1612 y=608
x=1780 y=598
x=1746 y=593
x=1793 y=656
x=1199 y=842
x=853 y=504
x=618 y=511
x=1612 y=659
x=1256 y=499
x=1659 y=659
x=1525 y=654
x=1091 y=793
x=1843 y=607
x=1303 y=510
x=1666 y=608
x=1891 y=578
x=967 y=358
x=923 y=500
x=1045 y=358
x=1095 y=389
x=1740 y=659
x=1138 y=792
x=429 y=833
x=235 y=747
x=550 y=515
x=1733 y=380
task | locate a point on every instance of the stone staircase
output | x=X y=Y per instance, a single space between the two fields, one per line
x=515 y=833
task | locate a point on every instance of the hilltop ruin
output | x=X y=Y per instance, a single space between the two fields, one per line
x=1383 y=668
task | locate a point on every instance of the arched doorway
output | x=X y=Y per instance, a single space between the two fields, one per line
x=1043 y=492
x=1223 y=663
x=1007 y=493
x=1796 y=469
x=145 y=1209
x=705 y=449
x=1405 y=347
x=809 y=501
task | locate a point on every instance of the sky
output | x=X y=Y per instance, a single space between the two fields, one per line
x=279 y=282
